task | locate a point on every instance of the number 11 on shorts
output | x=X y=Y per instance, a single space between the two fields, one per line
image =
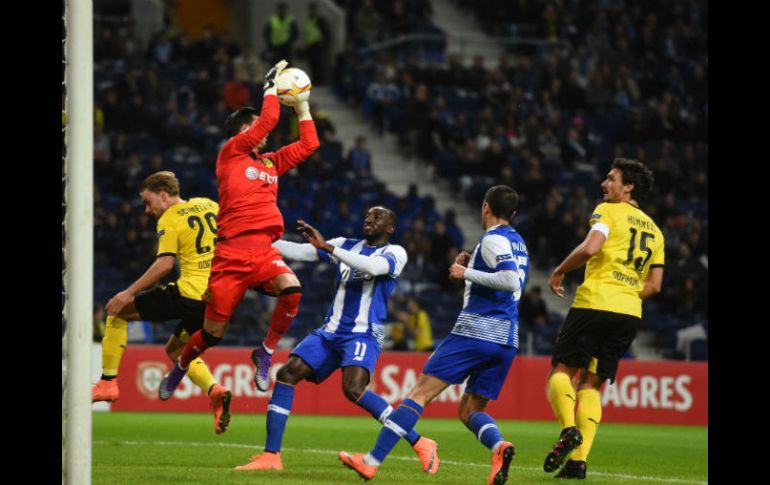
x=360 y=351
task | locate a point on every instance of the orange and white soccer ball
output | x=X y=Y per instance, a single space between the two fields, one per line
x=293 y=86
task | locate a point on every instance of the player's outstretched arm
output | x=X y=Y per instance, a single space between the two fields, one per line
x=371 y=265
x=159 y=268
x=505 y=280
x=296 y=251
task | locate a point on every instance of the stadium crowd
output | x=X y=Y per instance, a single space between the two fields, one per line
x=547 y=119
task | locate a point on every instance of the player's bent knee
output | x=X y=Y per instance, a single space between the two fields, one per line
x=353 y=392
x=287 y=375
x=465 y=413
x=291 y=290
x=284 y=282
x=284 y=375
x=589 y=380
x=211 y=340
x=293 y=371
x=216 y=329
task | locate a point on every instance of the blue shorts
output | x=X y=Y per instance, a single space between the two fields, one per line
x=458 y=357
x=325 y=352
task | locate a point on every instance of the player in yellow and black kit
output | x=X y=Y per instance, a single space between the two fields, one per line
x=186 y=233
x=624 y=255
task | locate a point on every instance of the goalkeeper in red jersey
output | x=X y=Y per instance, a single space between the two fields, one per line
x=247 y=224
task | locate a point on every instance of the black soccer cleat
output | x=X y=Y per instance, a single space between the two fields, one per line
x=573 y=469
x=569 y=439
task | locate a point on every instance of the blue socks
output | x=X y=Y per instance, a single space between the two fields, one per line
x=396 y=426
x=278 y=410
x=485 y=429
x=380 y=410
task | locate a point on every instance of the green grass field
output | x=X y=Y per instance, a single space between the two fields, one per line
x=163 y=448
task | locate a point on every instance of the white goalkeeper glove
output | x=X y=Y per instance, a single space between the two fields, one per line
x=272 y=74
x=302 y=108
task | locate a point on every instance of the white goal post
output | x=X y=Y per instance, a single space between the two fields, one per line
x=78 y=251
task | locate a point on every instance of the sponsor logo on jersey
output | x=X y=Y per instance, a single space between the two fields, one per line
x=253 y=174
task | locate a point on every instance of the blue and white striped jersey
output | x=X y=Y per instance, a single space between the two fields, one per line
x=361 y=302
x=489 y=314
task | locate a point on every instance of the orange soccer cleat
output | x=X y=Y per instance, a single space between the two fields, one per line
x=105 y=391
x=219 y=401
x=501 y=461
x=264 y=461
x=356 y=463
x=427 y=451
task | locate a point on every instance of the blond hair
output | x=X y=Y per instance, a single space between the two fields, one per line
x=165 y=181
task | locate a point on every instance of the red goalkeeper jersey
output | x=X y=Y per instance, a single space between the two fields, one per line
x=248 y=180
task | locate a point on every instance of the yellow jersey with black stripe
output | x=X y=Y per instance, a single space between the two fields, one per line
x=615 y=275
x=188 y=232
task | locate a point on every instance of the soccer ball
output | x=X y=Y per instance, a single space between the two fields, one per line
x=293 y=86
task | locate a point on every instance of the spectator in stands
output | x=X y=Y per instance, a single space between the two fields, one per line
x=360 y=158
x=539 y=79
x=236 y=93
x=280 y=33
x=454 y=231
x=397 y=336
x=382 y=94
x=101 y=145
x=247 y=67
x=203 y=49
x=368 y=23
x=532 y=309
x=317 y=37
x=161 y=49
x=440 y=243
x=417 y=323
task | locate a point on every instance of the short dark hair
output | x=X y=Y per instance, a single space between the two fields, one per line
x=636 y=173
x=503 y=201
x=236 y=120
x=391 y=214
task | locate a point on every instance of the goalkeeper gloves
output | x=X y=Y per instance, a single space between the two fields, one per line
x=272 y=74
x=302 y=108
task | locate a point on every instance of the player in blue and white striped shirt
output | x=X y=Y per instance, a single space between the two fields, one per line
x=351 y=337
x=481 y=346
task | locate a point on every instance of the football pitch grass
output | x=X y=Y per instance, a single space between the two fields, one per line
x=163 y=448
